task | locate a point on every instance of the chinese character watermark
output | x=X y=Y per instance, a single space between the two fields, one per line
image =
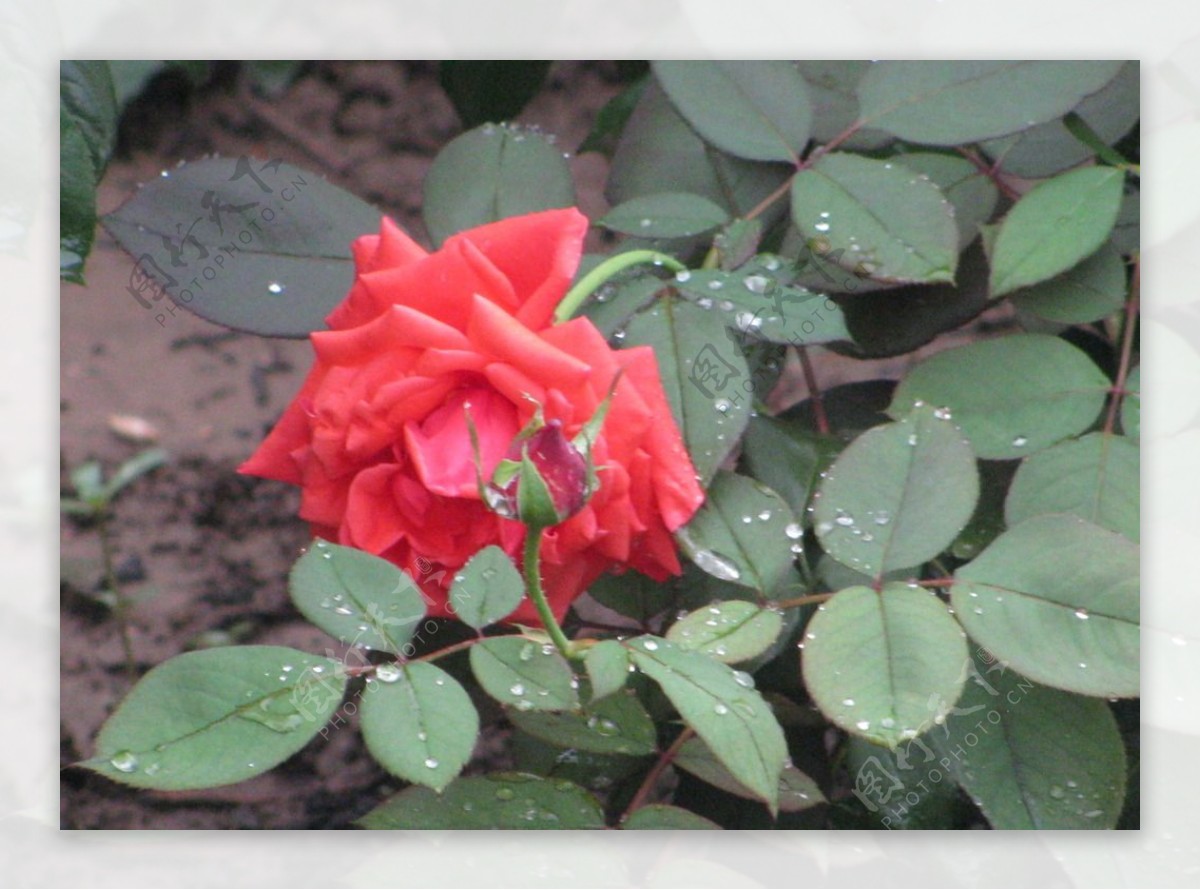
x=203 y=251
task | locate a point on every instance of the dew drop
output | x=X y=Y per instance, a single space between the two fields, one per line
x=343 y=610
x=720 y=708
x=276 y=288
x=716 y=565
x=743 y=679
x=684 y=275
x=794 y=531
x=715 y=284
x=431 y=763
x=821 y=226
x=887 y=722
x=848 y=702
x=764 y=515
x=863 y=725
x=517 y=689
x=1020 y=442
x=1082 y=614
x=387 y=673
x=125 y=761
x=649 y=645
x=756 y=284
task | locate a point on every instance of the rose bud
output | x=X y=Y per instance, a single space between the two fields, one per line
x=552 y=482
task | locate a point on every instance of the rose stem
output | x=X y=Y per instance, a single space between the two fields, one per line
x=606 y=270
x=533 y=583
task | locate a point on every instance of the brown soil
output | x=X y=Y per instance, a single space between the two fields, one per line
x=208 y=550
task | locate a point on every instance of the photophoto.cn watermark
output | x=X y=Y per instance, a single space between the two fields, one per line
x=200 y=252
x=892 y=793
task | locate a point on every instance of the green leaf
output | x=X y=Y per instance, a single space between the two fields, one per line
x=969 y=190
x=728 y=714
x=1095 y=477
x=730 y=632
x=254 y=245
x=659 y=152
x=497 y=801
x=663 y=817
x=740 y=534
x=611 y=307
x=134 y=468
x=752 y=109
x=610 y=121
x=493 y=172
x=607 y=668
x=419 y=723
x=1050 y=148
x=494 y=90
x=356 y=597
x=88 y=479
x=951 y=103
x=887 y=665
x=1012 y=396
x=1047 y=760
x=488 y=589
x=876 y=218
x=616 y=724
x=1057 y=598
x=525 y=674
x=630 y=594
x=664 y=215
x=902 y=319
x=833 y=91
x=898 y=495
x=796 y=790
x=704 y=376
x=87 y=120
x=1090 y=291
x=787 y=457
x=1131 y=404
x=76 y=201
x=217 y=716
x=737 y=243
x=87 y=99
x=899 y=791
x=760 y=301
x=1057 y=224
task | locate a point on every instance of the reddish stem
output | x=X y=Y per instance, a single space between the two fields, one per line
x=656 y=772
x=814 y=391
x=1118 y=392
x=991 y=171
x=816 y=155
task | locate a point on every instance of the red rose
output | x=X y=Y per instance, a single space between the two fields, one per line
x=378 y=440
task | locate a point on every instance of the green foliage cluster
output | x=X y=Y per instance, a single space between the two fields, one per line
x=944 y=569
